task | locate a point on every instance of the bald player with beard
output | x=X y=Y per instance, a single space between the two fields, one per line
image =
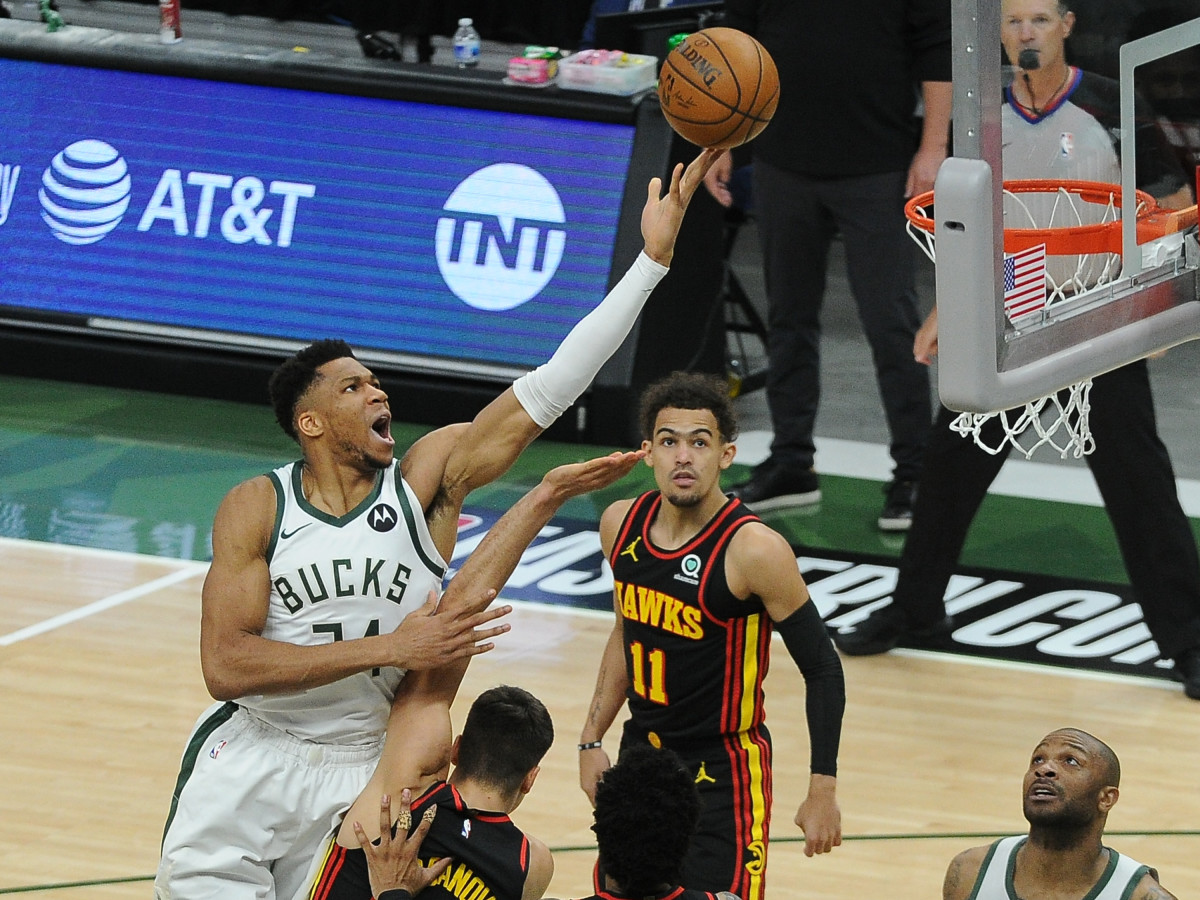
x=1070 y=786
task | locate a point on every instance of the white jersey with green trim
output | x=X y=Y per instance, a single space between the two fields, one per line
x=338 y=578
x=995 y=881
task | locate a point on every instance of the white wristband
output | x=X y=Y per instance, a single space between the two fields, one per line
x=550 y=389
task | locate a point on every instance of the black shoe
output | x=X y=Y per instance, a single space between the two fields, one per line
x=883 y=631
x=377 y=47
x=898 y=507
x=1187 y=670
x=773 y=485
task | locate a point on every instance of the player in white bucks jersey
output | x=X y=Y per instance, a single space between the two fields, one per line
x=1072 y=782
x=303 y=643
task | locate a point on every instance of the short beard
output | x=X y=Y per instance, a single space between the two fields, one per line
x=684 y=501
x=1061 y=829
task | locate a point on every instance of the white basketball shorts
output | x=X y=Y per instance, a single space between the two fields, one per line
x=252 y=807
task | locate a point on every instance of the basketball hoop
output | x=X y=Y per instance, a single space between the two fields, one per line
x=1070 y=233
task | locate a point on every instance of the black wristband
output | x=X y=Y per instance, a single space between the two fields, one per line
x=395 y=894
x=590 y=745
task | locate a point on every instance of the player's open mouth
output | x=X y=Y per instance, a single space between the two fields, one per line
x=382 y=427
x=1042 y=790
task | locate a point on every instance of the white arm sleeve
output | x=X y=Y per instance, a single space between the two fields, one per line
x=552 y=387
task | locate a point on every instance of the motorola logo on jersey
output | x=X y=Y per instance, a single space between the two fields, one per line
x=85 y=192
x=382 y=518
x=501 y=239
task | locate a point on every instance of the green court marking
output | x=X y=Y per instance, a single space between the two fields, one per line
x=99 y=882
x=585 y=848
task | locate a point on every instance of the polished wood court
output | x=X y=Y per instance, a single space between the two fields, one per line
x=101 y=682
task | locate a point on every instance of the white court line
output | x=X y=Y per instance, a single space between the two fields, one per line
x=101 y=605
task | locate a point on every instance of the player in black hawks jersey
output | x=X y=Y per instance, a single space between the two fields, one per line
x=496 y=760
x=700 y=585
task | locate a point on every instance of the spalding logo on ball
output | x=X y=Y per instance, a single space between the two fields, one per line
x=718 y=88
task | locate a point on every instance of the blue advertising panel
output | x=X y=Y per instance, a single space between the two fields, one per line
x=245 y=210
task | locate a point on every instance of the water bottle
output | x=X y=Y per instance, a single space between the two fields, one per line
x=466 y=44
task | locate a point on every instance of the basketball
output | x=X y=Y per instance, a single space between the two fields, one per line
x=718 y=88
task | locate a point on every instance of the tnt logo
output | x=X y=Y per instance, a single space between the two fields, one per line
x=500 y=239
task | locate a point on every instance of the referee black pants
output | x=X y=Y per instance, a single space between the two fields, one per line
x=1136 y=481
x=797 y=216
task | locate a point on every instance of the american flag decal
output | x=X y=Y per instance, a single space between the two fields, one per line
x=1025 y=283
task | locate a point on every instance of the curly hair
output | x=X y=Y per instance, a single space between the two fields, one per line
x=647 y=809
x=296 y=375
x=689 y=390
x=507 y=732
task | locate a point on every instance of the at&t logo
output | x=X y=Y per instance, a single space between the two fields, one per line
x=85 y=192
x=500 y=240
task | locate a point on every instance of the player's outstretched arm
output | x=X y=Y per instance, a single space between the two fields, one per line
x=237 y=660
x=509 y=423
x=761 y=564
x=416 y=750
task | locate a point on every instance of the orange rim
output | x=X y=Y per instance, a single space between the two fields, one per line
x=1152 y=221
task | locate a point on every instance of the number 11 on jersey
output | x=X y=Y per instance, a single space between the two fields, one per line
x=658 y=676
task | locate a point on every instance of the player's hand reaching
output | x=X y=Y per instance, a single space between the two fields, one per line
x=662 y=215
x=819 y=816
x=427 y=638
x=574 y=479
x=392 y=864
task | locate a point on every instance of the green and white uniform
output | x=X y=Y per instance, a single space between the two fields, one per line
x=263 y=780
x=995 y=881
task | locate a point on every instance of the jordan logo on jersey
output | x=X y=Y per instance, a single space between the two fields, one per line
x=382 y=518
x=631 y=550
x=703 y=775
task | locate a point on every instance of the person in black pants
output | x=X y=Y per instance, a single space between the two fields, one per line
x=1130 y=462
x=843 y=150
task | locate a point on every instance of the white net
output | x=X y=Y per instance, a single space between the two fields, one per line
x=1059 y=421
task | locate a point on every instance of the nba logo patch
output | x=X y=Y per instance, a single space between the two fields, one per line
x=1066 y=145
x=466 y=829
x=217 y=748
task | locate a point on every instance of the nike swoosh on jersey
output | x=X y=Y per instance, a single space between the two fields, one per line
x=287 y=534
